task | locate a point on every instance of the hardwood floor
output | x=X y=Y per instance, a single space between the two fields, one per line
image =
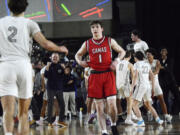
x=77 y=127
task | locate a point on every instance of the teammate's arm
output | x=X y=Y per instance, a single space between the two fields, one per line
x=132 y=75
x=86 y=74
x=82 y=51
x=151 y=75
x=145 y=47
x=35 y=32
x=131 y=70
x=117 y=48
x=135 y=76
x=42 y=82
x=158 y=67
x=39 y=37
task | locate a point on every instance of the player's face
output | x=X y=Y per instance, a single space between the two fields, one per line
x=67 y=71
x=133 y=37
x=96 y=30
x=135 y=59
x=164 y=52
x=55 y=58
x=149 y=56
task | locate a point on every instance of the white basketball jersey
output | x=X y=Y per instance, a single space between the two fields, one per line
x=143 y=69
x=141 y=46
x=16 y=37
x=122 y=73
x=153 y=68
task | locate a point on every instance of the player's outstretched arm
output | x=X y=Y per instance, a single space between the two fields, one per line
x=117 y=48
x=39 y=37
x=82 y=51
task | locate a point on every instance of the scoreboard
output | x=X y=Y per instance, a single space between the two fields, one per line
x=64 y=10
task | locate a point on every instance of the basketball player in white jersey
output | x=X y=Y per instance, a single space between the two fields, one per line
x=142 y=73
x=16 y=33
x=155 y=67
x=124 y=70
x=139 y=45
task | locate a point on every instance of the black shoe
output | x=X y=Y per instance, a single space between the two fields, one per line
x=114 y=130
x=104 y=134
x=120 y=120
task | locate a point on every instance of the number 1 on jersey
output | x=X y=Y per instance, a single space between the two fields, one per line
x=100 y=58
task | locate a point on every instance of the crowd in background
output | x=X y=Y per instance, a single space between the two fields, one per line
x=166 y=78
x=72 y=103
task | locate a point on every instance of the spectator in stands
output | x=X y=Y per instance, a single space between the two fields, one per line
x=54 y=73
x=44 y=90
x=167 y=81
x=36 y=102
x=69 y=91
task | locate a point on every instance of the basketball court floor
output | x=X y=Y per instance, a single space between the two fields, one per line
x=77 y=127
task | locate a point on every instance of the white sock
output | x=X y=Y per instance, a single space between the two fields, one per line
x=8 y=133
x=129 y=116
x=30 y=115
x=157 y=118
x=104 y=132
x=113 y=124
x=106 y=116
x=57 y=118
x=92 y=111
x=30 y=112
x=140 y=118
x=41 y=118
x=149 y=112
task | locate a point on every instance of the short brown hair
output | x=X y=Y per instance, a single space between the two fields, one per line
x=95 y=22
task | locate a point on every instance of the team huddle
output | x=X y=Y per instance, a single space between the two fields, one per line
x=144 y=85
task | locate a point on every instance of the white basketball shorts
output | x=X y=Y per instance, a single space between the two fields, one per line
x=157 y=88
x=142 y=92
x=16 y=79
x=123 y=92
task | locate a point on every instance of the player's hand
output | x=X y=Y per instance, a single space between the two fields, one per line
x=84 y=64
x=49 y=64
x=63 y=49
x=42 y=89
x=70 y=82
x=113 y=65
